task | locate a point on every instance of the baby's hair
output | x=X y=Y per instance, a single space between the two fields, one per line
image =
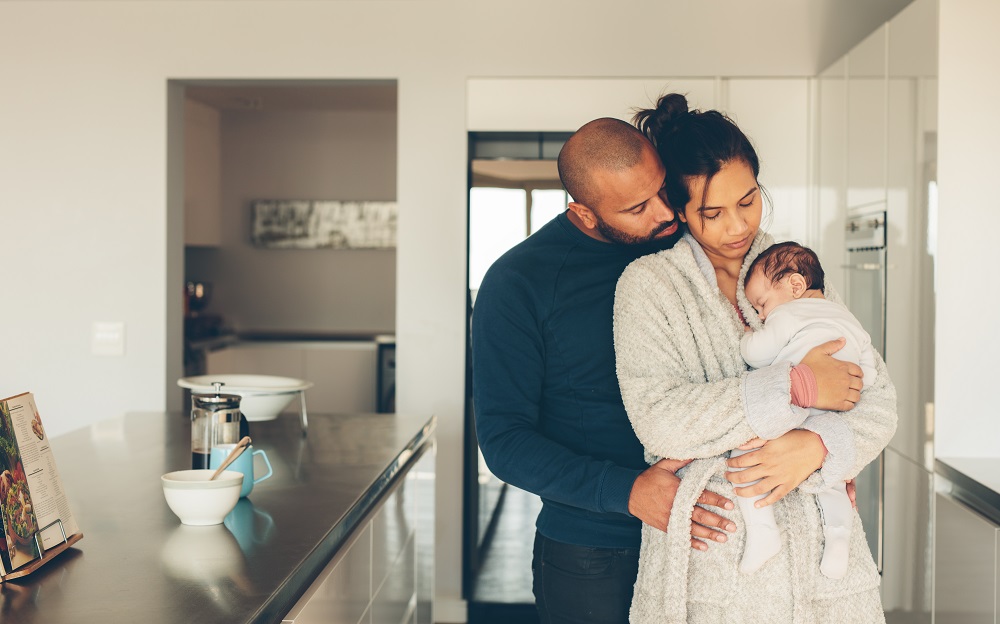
x=782 y=259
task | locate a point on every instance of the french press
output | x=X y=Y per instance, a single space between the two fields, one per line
x=215 y=420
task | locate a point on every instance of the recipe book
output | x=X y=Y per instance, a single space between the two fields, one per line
x=31 y=493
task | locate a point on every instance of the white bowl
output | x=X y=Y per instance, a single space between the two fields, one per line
x=198 y=501
x=263 y=396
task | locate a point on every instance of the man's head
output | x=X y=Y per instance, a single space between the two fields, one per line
x=615 y=178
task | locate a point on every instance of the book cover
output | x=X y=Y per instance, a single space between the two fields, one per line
x=49 y=501
x=17 y=511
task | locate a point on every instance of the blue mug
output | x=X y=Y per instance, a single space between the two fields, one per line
x=243 y=463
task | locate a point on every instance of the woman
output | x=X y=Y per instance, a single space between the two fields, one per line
x=679 y=316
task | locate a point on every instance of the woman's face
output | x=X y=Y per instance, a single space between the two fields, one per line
x=729 y=219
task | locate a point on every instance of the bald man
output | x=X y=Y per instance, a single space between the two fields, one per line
x=549 y=415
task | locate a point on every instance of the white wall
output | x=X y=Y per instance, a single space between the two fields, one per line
x=968 y=296
x=331 y=154
x=83 y=163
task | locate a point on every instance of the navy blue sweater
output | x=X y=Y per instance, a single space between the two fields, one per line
x=549 y=414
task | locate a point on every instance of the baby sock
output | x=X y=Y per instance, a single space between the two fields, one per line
x=763 y=537
x=837 y=519
x=834 y=563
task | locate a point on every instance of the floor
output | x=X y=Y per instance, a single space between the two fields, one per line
x=503 y=588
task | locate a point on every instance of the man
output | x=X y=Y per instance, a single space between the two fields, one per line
x=549 y=415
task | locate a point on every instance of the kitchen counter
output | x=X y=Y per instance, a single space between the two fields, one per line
x=137 y=563
x=975 y=481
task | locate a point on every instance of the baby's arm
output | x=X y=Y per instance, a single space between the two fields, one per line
x=761 y=347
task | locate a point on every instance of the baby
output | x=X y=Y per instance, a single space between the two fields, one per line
x=785 y=285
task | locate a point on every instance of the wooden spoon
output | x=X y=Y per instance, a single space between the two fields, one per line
x=233 y=454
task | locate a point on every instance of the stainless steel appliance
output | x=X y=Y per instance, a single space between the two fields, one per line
x=866 y=297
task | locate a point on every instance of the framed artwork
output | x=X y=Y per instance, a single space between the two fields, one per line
x=314 y=224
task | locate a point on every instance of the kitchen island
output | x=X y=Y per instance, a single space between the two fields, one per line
x=350 y=503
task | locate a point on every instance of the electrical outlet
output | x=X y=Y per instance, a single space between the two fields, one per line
x=107 y=338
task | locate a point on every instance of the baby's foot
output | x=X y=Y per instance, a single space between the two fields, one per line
x=834 y=563
x=763 y=542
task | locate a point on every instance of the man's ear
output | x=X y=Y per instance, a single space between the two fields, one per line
x=798 y=284
x=584 y=214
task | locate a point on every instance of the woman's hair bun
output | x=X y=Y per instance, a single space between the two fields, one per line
x=661 y=120
x=671 y=106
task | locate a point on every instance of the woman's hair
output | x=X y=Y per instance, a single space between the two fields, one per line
x=782 y=259
x=692 y=143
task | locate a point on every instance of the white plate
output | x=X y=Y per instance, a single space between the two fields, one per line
x=258 y=384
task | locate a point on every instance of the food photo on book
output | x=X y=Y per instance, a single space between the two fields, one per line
x=20 y=523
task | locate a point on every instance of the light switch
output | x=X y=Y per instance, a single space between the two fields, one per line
x=107 y=338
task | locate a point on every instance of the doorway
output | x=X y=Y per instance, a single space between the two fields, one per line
x=234 y=147
x=514 y=190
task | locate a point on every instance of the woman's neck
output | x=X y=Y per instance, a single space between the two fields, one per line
x=727 y=274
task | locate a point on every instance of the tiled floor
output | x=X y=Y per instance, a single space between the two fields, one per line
x=503 y=588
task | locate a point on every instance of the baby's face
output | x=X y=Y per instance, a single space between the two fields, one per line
x=765 y=295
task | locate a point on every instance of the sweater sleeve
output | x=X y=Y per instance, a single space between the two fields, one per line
x=508 y=372
x=675 y=412
x=759 y=348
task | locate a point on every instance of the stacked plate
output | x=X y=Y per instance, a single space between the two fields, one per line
x=263 y=396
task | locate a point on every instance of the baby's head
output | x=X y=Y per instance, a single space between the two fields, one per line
x=782 y=273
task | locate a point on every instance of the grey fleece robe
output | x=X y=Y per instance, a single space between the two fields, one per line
x=689 y=394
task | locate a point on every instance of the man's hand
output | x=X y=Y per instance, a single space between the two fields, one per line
x=652 y=498
x=780 y=464
x=838 y=383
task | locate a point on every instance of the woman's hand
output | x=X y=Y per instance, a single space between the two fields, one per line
x=838 y=383
x=780 y=465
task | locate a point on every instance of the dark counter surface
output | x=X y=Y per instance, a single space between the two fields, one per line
x=137 y=563
x=976 y=482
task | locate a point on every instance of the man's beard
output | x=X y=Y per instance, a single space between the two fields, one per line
x=623 y=238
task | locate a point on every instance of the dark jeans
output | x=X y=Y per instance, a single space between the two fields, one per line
x=582 y=584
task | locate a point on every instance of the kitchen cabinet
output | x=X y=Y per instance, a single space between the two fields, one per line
x=911 y=171
x=382 y=577
x=966 y=560
x=345 y=373
x=831 y=170
x=866 y=121
x=202 y=175
x=774 y=114
x=908 y=555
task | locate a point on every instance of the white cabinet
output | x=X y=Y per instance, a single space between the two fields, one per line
x=866 y=121
x=384 y=574
x=202 y=175
x=344 y=373
x=908 y=557
x=831 y=171
x=910 y=172
x=774 y=114
x=966 y=561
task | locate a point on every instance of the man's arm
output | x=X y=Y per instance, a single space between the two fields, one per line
x=508 y=373
x=508 y=354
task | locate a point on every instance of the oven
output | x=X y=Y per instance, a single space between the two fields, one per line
x=865 y=296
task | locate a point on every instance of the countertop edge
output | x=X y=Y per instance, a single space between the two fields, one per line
x=287 y=595
x=967 y=489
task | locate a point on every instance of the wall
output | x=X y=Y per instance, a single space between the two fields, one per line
x=92 y=223
x=341 y=155
x=967 y=295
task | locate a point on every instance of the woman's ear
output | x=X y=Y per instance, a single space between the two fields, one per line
x=797 y=284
